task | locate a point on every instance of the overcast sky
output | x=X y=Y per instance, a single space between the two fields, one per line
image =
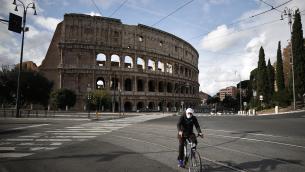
x=223 y=32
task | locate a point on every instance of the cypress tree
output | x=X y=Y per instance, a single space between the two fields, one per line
x=279 y=69
x=270 y=74
x=262 y=78
x=298 y=56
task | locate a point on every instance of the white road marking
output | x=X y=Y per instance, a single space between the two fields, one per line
x=14 y=155
x=77 y=134
x=29 y=136
x=37 y=148
x=31 y=126
x=18 y=140
x=56 y=144
x=53 y=140
x=50 y=139
x=63 y=131
x=7 y=148
x=27 y=144
x=77 y=137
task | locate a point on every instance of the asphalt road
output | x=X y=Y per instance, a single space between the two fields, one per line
x=231 y=143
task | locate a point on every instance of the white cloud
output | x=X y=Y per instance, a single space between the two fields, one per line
x=93 y=14
x=217 y=69
x=218 y=39
x=49 y=23
x=255 y=43
x=36 y=42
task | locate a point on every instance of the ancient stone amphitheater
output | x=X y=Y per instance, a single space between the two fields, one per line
x=143 y=68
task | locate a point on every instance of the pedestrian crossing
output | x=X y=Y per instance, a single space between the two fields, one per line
x=26 y=145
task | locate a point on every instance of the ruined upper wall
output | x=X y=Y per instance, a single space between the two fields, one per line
x=109 y=32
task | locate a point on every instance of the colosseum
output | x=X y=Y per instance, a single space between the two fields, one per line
x=142 y=67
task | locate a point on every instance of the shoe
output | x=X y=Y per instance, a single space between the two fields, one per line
x=180 y=164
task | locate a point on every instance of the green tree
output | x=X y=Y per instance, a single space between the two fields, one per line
x=100 y=98
x=35 y=88
x=270 y=74
x=279 y=69
x=262 y=77
x=229 y=103
x=62 y=98
x=298 y=55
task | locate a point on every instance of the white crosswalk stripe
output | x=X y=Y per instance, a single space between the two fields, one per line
x=27 y=145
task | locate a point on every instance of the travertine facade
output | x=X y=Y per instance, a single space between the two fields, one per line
x=146 y=67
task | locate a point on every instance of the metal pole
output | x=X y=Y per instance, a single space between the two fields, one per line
x=114 y=88
x=20 y=66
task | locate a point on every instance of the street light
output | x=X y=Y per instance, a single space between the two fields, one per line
x=290 y=12
x=89 y=98
x=25 y=8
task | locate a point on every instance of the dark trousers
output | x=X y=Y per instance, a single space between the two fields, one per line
x=182 y=140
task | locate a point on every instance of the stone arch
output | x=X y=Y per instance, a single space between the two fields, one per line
x=140 y=105
x=128 y=106
x=160 y=66
x=161 y=86
x=181 y=70
x=128 y=63
x=169 y=87
x=177 y=88
x=128 y=84
x=115 y=60
x=151 y=86
x=114 y=84
x=100 y=59
x=151 y=105
x=160 y=105
x=169 y=68
x=140 y=85
x=140 y=63
x=151 y=65
x=100 y=83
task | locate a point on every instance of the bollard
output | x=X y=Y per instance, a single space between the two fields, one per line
x=67 y=108
x=276 y=109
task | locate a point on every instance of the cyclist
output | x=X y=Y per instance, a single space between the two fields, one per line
x=185 y=131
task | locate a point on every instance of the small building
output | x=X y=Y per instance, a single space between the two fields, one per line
x=228 y=91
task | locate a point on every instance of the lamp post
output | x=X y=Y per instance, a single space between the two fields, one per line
x=25 y=8
x=290 y=12
x=89 y=98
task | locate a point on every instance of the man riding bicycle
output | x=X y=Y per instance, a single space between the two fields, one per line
x=185 y=131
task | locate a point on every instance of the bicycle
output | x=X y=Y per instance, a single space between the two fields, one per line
x=190 y=153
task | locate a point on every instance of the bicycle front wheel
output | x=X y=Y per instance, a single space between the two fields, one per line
x=195 y=163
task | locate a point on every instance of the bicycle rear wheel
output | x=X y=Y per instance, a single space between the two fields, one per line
x=195 y=162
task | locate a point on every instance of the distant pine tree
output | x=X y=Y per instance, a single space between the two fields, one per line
x=279 y=69
x=262 y=77
x=270 y=74
x=298 y=55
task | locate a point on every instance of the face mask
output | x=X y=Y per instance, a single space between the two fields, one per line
x=188 y=115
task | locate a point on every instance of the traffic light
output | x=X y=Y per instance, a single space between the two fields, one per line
x=15 y=23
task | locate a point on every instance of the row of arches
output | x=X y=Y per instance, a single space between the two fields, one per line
x=129 y=106
x=140 y=85
x=140 y=63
